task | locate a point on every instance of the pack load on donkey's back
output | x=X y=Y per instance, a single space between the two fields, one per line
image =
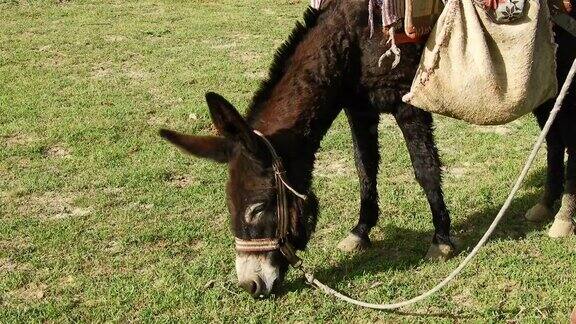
x=486 y=61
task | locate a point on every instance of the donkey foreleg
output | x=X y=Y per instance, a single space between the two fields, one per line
x=417 y=128
x=364 y=126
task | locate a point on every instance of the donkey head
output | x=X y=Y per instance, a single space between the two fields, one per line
x=251 y=193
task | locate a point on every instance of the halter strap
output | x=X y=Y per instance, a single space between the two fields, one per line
x=278 y=161
x=256 y=245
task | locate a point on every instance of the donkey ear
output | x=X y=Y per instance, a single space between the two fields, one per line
x=229 y=122
x=210 y=147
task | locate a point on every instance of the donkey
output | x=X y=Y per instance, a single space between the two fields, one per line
x=560 y=180
x=328 y=64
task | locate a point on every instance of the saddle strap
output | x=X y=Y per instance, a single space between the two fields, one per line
x=565 y=22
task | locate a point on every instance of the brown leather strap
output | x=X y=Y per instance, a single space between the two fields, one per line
x=402 y=38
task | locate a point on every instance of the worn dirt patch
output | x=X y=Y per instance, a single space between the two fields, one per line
x=29 y=293
x=114 y=247
x=57 y=60
x=6 y=265
x=162 y=98
x=100 y=73
x=44 y=48
x=457 y=171
x=140 y=206
x=17 y=139
x=244 y=36
x=24 y=162
x=67 y=282
x=330 y=164
x=72 y=212
x=245 y=57
x=135 y=73
x=52 y=205
x=56 y=151
x=465 y=299
x=15 y=244
x=154 y=120
x=181 y=181
x=500 y=130
x=114 y=38
x=223 y=46
x=258 y=75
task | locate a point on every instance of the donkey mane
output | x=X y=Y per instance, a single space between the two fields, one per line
x=278 y=66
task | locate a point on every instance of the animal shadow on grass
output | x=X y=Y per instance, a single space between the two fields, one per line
x=404 y=248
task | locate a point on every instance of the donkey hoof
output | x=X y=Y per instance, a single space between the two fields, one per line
x=440 y=252
x=562 y=227
x=353 y=243
x=538 y=213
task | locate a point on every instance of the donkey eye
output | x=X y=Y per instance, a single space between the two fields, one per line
x=258 y=208
x=254 y=212
x=255 y=209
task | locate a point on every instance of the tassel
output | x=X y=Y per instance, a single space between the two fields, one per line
x=393 y=50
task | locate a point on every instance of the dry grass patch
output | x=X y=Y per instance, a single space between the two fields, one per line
x=17 y=139
x=56 y=151
x=51 y=206
x=332 y=164
x=32 y=292
x=181 y=181
x=245 y=56
x=257 y=75
x=500 y=129
x=114 y=38
x=7 y=265
x=135 y=73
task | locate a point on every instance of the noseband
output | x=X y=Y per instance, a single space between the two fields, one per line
x=280 y=242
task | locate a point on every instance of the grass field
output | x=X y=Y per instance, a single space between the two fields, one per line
x=101 y=220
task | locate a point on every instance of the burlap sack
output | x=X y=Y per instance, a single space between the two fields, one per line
x=486 y=73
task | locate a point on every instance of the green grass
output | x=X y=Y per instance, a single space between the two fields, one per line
x=101 y=220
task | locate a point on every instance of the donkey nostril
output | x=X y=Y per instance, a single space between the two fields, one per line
x=249 y=286
x=253 y=287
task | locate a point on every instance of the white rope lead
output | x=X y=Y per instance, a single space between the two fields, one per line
x=310 y=278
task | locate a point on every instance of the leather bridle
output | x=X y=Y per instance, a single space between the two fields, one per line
x=280 y=241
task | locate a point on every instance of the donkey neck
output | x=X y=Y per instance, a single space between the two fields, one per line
x=299 y=106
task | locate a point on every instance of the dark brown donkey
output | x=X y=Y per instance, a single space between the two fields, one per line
x=328 y=64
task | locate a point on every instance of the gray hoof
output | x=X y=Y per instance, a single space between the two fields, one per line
x=440 y=252
x=562 y=227
x=353 y=243
x=538 y=213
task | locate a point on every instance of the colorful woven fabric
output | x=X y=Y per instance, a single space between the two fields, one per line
x=502 y=11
